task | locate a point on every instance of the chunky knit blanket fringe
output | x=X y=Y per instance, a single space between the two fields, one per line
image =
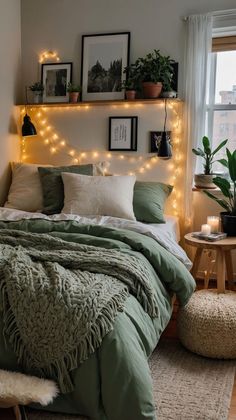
x=59 y=299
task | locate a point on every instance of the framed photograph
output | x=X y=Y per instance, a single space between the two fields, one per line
x=104 y=57
x=55 y=77
x=155 y=138
x=123 y=133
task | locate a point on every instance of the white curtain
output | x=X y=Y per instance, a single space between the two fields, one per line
x=197 y=64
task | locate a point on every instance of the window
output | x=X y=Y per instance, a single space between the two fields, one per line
x=221 y=107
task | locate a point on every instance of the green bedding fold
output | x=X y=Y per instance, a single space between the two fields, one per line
x=59 y=300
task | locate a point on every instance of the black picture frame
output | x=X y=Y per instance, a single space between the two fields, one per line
x=55 y=92
x=123 y=133
x=155 y=136
x=97 y=48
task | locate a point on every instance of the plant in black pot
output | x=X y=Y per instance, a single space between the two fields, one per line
x=228 y=189
x=205 y=180
x=152 y=71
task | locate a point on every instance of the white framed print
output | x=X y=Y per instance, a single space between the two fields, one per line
x=123 y=133
x=104 y=57
x=55 y=78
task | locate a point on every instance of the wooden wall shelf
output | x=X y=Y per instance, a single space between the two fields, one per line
x=103 y=103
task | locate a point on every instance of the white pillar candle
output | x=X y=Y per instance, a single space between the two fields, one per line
x=213 y=222
x=206 y=229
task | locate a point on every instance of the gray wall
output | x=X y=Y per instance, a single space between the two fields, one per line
x=10 y=47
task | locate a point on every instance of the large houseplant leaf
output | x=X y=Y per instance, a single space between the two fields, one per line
x=222 y=144
x=221 y=202
x=224 y=186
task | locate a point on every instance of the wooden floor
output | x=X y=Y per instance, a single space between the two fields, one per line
x=170 y=332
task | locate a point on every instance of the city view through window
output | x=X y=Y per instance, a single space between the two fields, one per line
x=222 y=111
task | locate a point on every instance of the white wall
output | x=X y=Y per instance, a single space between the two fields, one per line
x=10 y=47
x=59 y=24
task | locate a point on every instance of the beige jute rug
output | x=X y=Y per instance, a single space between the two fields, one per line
x=186 y=386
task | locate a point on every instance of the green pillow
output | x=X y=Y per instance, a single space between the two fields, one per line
x=52 y=185
x=149 y=200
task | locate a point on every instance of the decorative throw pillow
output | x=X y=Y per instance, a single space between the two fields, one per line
x=105 y=196
x=25 y=191
x=52 y=185
x=149 y=201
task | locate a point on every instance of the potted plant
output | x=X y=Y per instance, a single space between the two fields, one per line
x=167 y=90
x=37 y=88
x=228 y=189
x=74 y=91
x=131 y=84
x=205 y=180
x=152 y=71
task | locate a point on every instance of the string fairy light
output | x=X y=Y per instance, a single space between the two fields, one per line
x=143 y=163
x=46 y=55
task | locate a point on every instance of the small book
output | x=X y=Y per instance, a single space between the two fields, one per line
x=211 y=237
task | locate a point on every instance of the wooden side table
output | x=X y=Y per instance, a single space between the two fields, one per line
x=223 y=257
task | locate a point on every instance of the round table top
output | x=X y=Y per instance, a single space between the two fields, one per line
x=227 y=243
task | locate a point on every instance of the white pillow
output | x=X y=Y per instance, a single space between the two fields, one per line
x=25 y=191
x=105 y=196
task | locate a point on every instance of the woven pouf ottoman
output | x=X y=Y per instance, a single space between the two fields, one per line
x=207 y=324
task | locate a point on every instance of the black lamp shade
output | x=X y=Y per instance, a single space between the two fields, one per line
x=28 y=128
x=164 y=148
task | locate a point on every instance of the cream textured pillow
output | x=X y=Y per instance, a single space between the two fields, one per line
x=105 y=196
x=25 y=191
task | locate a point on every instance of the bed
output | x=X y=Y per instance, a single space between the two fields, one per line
x=84 y=299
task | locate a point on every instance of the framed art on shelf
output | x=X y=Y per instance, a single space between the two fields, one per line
x=155 y=137
x=104 y=57
x=123 y=133
x=55 y=77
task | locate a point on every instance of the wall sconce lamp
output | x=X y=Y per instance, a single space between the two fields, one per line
x=28 y=128
x=164 y=146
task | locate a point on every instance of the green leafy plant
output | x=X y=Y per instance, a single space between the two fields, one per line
x=132 y=80
x=154 y=67
x=208 y=154
x=37 y=87
x=228 y=189
x=73 y=88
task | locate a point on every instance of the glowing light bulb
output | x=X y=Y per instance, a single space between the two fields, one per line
x=48 y=128
x=62 y=143
x=109 y=155
x=39 y=114
x=46 y=141
x=72 y=152
x=121 y=157
x=83 y=155
x=55 y=136
x=53 y=150
x=41 y=132
x=43 y=122
x=76 y=160
x=95 y=154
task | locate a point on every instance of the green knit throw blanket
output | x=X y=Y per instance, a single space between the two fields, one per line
x=59 y=299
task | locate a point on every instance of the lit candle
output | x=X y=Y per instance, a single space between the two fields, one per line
x=213 y=222
x=206 y=229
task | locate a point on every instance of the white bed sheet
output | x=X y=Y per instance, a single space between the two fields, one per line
x=167 y=234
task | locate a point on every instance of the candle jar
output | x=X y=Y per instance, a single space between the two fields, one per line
x=206 y=229
x=213 y=222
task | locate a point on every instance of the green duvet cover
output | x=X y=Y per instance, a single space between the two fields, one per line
x=114 y=383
